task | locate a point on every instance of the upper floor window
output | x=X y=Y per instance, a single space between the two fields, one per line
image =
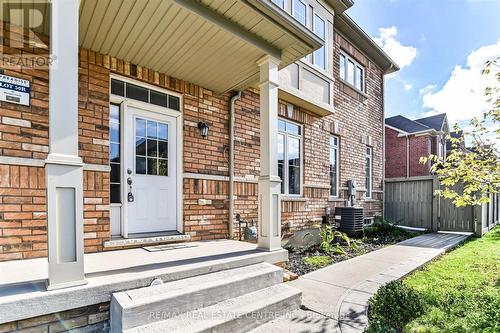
x=299 y=11
x=280 y=3
x=319 y=28
x=352 y=72
x=368 y=172
x=289 y=156
x=334 y=166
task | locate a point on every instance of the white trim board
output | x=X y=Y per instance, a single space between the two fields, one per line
x=34 y=162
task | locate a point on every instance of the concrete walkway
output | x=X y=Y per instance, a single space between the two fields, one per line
x=335 y=298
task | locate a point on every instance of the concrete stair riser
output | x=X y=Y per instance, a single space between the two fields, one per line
x=149 y=304
x=235 y=315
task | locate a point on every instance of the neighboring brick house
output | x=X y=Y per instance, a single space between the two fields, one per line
x=407 y=140
x=330 y=130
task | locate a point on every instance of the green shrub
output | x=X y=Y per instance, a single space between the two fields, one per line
x=331 y=239
x=318 y=261
x=393 y=306
x=383 y=228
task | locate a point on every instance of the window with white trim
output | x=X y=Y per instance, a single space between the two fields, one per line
x=319 y=28
x=290 y=157
x=368 y=172
x=299 y=11
x=352 y=72
x=334 y=166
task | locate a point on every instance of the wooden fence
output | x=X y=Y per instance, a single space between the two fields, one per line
x=411 y=202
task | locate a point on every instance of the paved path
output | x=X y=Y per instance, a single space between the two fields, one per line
x=335 y=298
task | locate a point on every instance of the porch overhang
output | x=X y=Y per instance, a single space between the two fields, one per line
x=215 y=44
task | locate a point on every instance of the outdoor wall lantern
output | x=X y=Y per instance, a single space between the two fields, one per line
x=203 y=127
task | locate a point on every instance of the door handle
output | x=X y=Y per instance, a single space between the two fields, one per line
x=130 y=196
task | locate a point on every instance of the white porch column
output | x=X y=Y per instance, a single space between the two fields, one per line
x=269 y=182
x=63 y=168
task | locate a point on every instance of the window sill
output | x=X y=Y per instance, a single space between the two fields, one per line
x=292 y=198
x=335 y=199
x=362 y=93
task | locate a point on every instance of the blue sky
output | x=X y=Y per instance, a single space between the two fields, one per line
x=431 y=38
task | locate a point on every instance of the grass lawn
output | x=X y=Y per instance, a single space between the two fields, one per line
x=461 y=289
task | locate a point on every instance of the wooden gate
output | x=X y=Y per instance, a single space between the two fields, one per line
x=411 y=202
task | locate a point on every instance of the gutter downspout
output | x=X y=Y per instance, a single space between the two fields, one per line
x=407 y=156
x=231 y=163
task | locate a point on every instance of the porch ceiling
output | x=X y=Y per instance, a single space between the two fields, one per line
x=213 y=43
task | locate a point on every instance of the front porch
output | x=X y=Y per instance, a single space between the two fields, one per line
x=220 y=46
x=23 y=291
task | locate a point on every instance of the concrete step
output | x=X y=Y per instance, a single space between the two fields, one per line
x=146 y=305
x=239 y=314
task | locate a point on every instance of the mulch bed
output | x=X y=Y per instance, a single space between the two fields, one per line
x=297 y=265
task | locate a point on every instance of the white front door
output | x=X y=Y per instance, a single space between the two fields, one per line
x=151 y=167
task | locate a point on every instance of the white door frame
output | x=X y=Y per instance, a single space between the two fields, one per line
x=124 y=104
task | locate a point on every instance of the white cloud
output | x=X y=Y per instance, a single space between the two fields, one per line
x=427 y=89
x=462 y=96
x=408 y=87
x=401 y=54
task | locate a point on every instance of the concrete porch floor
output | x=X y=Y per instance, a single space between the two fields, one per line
x=22 y=283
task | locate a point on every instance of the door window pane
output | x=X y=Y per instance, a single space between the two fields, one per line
x=115 y=173
x=151 y=151
x=152 y=129
x=143 y=94
x=152 y=166
x=117 y=87
x=162 y=167
x=137 y=92
x=159 y=98
x=114 y=153
x=162 y=131
x=162 y=149
x=174 y=103
x=140 y=165
x=114 y=131
x=152 y=148
x=114 y=191
x=140 y=146
x=140 y=127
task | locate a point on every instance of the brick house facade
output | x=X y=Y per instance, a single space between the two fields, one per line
x=24 y=145
x=407 y=140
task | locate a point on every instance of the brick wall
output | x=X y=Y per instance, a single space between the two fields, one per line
x=353 y=111
x=419 y=146
x=395 y=154
x=24 y=134
x=23 y=231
